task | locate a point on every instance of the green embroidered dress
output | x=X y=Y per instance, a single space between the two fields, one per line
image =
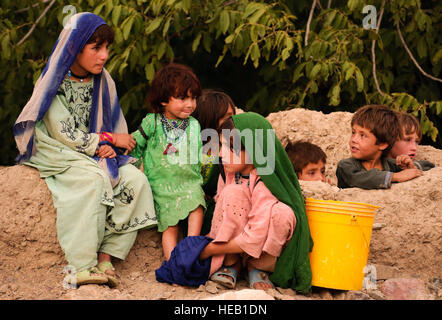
x=91 y=215
x=175 y=178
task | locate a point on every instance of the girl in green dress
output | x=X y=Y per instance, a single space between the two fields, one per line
x=169 y=144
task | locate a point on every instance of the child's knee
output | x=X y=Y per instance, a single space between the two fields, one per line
x=283 y=219
x=132 y=174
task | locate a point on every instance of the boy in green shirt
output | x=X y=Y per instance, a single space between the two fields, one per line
x=375 y=128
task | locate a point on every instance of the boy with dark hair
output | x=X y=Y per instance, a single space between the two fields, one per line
x=308 y=160
x=411 y=137
x=375 y=128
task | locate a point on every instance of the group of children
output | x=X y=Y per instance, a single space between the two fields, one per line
x=251 y=224
x=255 y=219
x=383 y=145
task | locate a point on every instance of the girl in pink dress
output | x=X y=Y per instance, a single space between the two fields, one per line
x=251 y=226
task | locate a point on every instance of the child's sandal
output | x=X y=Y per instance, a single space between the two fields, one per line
x=90 y=276
x=105 y=266
x=258 y=276
x=225 y=276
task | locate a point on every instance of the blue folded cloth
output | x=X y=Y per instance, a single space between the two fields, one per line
x=184 y=266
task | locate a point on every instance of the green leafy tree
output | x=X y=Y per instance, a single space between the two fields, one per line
x=268 y=55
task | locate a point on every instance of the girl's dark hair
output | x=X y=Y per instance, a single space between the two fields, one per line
x=211 y=106
x=173 y=80
x=102 y=34
x=228 y=124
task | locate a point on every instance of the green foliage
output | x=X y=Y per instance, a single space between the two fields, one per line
x=254 y=50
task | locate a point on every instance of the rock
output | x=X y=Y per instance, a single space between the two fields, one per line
x=286 y=292
x=164 y=296
x=4 y=288
x=340 y=295
x=300 y=297
x=135 y=275
x=274 y=293
x=384 y=272
x=376 y=294
x=13 y=287
x=211 y=287
x=405 y=289
x=200 y=288
x=357 y=295
x=435 y=286
x=378 y=226
x=151 y=244
x=325 y=294
x=213 y=283
x=245 y=294
x=86 y=292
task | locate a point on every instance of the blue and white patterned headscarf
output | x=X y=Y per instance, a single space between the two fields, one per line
x=106 y=114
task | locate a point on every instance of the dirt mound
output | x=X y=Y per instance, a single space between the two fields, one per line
x=32 y=262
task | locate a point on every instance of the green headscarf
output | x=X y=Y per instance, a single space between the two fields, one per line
x=293 y=265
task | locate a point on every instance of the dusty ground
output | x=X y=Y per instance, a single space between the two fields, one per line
x=406 y=245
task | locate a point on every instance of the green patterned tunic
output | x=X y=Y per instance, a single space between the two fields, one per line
x=175 y=178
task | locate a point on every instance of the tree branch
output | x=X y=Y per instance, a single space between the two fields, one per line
x=307 y=30
x=412 y=57
x=34 y=5
x=36 y=22
x=228 y=3
x=329 y=4
x=373 y=54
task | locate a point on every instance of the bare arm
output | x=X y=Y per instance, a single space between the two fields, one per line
x=213 y=249
x=406 y=175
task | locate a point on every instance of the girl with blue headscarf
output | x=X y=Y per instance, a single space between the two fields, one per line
x=73 y=131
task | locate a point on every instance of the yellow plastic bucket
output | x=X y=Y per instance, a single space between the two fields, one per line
x=341 y=233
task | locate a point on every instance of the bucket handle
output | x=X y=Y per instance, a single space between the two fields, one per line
x=354 y=221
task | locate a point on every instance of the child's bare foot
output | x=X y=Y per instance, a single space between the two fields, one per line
x=105 y=266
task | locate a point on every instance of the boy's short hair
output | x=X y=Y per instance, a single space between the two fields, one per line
x=301 y=153
x=102 y=34
x=381 y=121
x=409 y=123
x=173 y=80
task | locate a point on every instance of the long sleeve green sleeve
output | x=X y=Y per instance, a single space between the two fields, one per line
x=424 y=165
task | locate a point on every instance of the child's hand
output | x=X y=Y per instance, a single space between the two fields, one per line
x=406 y=175
x=124 y=140
x=404 y=162
x=106 y=151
